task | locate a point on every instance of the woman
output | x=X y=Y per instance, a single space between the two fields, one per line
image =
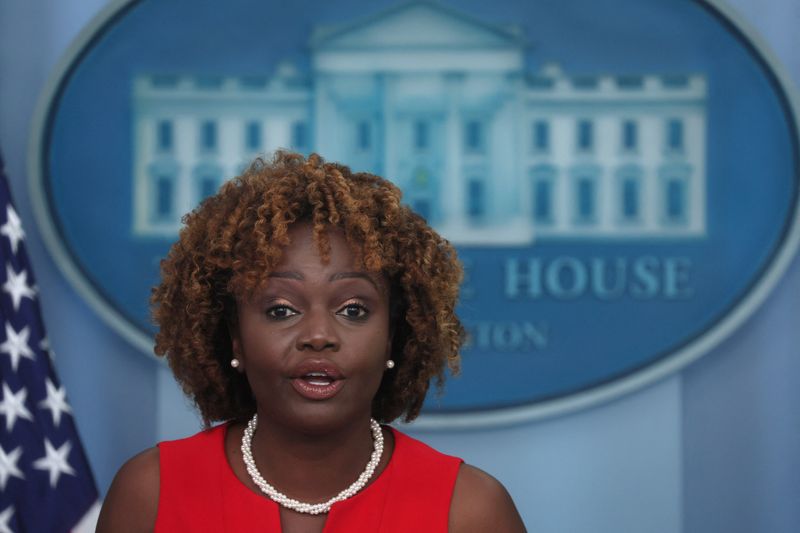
x=300 y=304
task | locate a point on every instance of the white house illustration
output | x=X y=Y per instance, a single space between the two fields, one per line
x=445 y=106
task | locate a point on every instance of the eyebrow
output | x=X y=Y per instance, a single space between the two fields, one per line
x=334 y=277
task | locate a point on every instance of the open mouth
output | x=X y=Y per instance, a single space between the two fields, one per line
x=317 y=387
x=320 y=379
x=317 y=380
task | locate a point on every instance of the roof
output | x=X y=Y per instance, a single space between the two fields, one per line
x=416 y=24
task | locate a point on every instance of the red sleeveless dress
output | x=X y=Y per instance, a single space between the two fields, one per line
x=200 y=492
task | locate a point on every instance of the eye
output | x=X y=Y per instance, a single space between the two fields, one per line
x=353 y=310
x=281 y=311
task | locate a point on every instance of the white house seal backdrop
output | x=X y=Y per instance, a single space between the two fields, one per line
x=600 y=166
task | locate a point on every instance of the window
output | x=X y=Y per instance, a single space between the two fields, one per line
x=253 y=82
x=630 y=135
x=675 y=135
x=207 y=179
x=420 y=135
x=541 y=82
x=630 y=198
x=541 y=136
x=543 y=189
x=585 y=138
x=674 y=193
x=164 y=136
x=364 y=135
x=543 y=201
x=630 y=82
x=253 y=136
x=475 y=198
x=675 y=200
x=162 y=193
x=675 y=81
x=585 y=82
x=628 y=192
x=208 y=135
x=585 y=199
x=208 y=186
x=209 y=82
x=473 y=134
x=164 y=197
x=299 y=135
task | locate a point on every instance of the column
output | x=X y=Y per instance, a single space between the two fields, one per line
x=451 y=194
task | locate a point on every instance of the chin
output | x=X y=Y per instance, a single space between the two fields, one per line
x=317 y=418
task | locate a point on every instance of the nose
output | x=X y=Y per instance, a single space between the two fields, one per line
x=318 y=332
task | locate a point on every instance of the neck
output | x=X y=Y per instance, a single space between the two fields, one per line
x=311 y=464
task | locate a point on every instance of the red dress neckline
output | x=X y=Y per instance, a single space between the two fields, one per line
x=199 y=491
x=373 y=493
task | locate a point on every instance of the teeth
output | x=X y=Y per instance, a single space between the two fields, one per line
x=319 y=379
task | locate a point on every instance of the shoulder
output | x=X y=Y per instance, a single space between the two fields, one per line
x=132 y=501
x=419 y=450
x=481 y=503
x=424 y=463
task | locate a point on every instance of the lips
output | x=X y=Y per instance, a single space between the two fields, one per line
x=317 y=379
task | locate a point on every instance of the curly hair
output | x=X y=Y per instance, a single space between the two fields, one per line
x=233 y=239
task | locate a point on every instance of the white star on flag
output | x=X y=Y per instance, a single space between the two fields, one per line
x=5 y=516
x=16 y=345
x=8 y=466
x=12 y=228
x=55 y=461
x=55 y=401
x=13 y=406
x=16 y=286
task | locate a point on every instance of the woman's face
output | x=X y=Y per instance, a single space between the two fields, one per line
x=314 y=341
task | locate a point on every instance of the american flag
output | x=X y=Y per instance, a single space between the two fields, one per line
x=45 y=481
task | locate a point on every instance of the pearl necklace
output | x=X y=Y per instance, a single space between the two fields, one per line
x=302 y=507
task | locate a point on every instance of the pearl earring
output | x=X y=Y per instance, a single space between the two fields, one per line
x=390 y=364
x=235 y=363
